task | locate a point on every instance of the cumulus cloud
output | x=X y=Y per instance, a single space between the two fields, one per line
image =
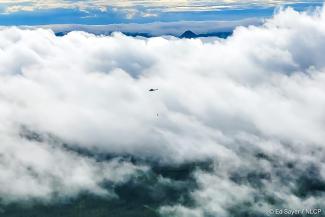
x=253 y=104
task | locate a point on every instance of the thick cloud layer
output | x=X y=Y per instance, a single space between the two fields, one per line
x=253 y=104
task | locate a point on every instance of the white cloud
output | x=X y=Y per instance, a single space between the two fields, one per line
x=164 y=5
x=253 y=103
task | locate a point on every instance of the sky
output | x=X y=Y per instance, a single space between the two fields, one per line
x=36 y=12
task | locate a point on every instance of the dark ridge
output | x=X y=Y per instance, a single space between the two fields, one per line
x=131 y=34
x=246 y=210
x=310 y=183
x=262 y=156
x=253 y=178
x=60 y=34
x=217 y=34
x=136 y=34
x=140 y=197
x=189 y=34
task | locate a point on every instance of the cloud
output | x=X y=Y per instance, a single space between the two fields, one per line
x=164 y=5
x=253 y=104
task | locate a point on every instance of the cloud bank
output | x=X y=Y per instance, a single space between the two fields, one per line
x=253 y=104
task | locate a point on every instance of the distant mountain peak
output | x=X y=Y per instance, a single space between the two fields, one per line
x=189 y=34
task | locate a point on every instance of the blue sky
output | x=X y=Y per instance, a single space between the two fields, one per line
x=36 y=12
